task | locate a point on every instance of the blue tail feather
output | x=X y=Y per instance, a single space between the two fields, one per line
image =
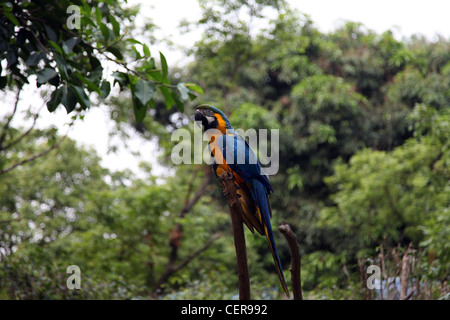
x=259 y=194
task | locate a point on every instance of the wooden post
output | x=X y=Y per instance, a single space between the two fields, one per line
x=291 y=238
x=404 y=274
x=229 y=189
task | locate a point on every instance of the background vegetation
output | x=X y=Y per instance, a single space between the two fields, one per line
x=364 y=174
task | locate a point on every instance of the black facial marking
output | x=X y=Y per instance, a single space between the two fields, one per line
x=202 y=114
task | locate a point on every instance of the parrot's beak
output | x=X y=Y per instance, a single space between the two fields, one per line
x=208 y=121
x=200 y=117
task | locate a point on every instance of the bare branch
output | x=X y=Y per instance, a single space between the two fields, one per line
x=23 y=135
x=200 y=191
x=177 y=233
x=34 y=157
x=405 y=270
x=196 y=253
x=8 y=121
x=291 y=238
x=171 y=269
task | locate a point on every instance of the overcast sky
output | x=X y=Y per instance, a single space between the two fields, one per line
x=405 y=17
x=408 y=17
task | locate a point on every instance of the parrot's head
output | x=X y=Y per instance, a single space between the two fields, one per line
x=212 y=118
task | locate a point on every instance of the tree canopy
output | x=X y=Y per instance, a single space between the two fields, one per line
x=364 y=154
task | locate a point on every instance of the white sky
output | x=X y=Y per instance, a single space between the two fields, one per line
x=407 y=17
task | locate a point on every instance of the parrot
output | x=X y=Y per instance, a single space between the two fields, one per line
x=231 y=152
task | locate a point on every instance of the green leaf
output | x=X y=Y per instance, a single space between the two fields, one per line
x=178 y=102
x=98 y=16
x=192 y=96
x=56 y=46
x=85 y=21
x=183 y=91
x=83 y=99
x=105 y=31
x=115 y=25
x=133 y=80
x=46 y=74
x=62 y=66
x=50 y=33
x=152 y=64
x=116 y=52
x=3 y=82
x=146 y=50
x=156 y=74
x=95 y=63
x=12 y=18
x=139 y=109
x=144 y=91
x=55 y=99
x=69 y=44
x=69 y=98
x=105 y=88
x=33 y=59
x=54 y=81
x=121 y=78
x=165 y=69
x=11 y=57
x=194 y=87
x=87 y=82
x=136 y=54
x=134 y=41
x=167 y=96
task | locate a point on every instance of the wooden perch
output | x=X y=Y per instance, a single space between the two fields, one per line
x=291 y=238
x=405 y=270
x=229 y=189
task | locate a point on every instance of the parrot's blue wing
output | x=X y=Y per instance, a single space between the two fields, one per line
x=241 y=159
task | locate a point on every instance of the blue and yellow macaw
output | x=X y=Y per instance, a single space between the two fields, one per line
x=232 y=153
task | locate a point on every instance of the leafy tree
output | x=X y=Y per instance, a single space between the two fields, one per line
x=37 y=221
x=398 y=196
x=363 y=122
x=63 y=212
x=67 y=46
x=335 y=97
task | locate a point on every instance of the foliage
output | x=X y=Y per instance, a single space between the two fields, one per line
x=67 y=44
x=397 y=196
x=347 y=105
x=364 y=156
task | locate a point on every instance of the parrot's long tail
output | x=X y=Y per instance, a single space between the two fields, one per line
x=263 y=206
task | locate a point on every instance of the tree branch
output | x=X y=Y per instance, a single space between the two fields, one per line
x=23 y=135
x=35 y=156
x=171 y=268
x=201 y=190
x=229 y=189
x=291 y=238
x=8 y=121
x=196 y=253
x=177 y=233
x=405 y=270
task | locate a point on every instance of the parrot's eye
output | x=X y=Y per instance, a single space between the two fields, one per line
x=208 y=112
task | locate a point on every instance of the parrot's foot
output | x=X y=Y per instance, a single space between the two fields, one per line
x=227 y=175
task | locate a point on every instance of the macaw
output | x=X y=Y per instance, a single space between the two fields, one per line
x=231 y=152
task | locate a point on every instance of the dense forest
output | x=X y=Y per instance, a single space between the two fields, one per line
x=364 y=124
